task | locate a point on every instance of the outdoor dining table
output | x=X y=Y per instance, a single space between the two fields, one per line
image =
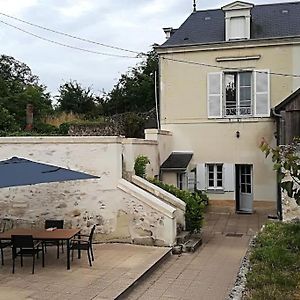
x=44 y=235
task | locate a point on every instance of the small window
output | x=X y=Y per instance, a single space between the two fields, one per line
x=214 y=176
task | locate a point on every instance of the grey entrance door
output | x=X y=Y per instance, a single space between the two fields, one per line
x=244 y=188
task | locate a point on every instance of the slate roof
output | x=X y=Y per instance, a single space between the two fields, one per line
x=19 y=171
x=177 y=161
x=268 y=21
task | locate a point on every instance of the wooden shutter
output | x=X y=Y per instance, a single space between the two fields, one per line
x=201 y=178
x=229 y=177
x=191 y=181
x=214 y=95
x=261 y=93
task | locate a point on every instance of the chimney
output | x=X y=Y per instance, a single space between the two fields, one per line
x=168 y=31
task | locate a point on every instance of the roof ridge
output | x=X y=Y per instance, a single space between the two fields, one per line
x=255 y=5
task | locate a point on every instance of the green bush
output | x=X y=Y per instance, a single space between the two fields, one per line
x=64 y=128
x=44 y=128
x=195 y=204
x=140 y=165
x=133 y=125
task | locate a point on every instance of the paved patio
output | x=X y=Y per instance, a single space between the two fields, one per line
x=116 y=267
x=210 y=272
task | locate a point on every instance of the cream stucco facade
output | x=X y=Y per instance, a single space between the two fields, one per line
x=226 y=140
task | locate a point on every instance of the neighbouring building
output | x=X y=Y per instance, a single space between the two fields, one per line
x=222 y=73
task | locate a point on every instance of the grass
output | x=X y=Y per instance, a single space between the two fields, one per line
x=275 y=263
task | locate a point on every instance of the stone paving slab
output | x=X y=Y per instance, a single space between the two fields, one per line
x=116 y=267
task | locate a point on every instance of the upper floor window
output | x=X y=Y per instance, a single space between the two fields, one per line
x=238 y=94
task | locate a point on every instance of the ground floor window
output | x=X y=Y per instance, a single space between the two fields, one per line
x=214 y=176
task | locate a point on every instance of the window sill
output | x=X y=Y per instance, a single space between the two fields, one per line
x=215 y=191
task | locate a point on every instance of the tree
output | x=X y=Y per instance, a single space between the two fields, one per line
x=134 y=91
x=79 y=100
x=19 y=87
x=286 y=161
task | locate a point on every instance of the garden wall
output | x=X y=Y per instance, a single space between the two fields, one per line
x=82 y=203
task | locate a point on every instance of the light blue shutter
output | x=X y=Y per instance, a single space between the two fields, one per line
x=229 y=177
x=201 y=178
x=214 y=95
x=261 y=93
x=191 y=181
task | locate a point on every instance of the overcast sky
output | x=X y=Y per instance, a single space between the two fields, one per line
x=130 y=24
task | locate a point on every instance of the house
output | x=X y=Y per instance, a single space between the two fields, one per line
x=222 y=72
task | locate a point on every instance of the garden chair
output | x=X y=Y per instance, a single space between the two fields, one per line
x=84 y=242
x=3 y=244
x=23 y=245
x=58 y=224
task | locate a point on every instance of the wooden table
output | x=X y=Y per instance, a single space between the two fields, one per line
x=44 y=235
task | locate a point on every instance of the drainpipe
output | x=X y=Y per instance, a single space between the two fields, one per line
x=279 y=194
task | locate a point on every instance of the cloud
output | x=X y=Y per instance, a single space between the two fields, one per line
x=16 y=7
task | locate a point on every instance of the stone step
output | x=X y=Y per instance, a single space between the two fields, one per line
x=182 y=237
x=194 y=242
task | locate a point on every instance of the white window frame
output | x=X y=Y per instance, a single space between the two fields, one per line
x=215 y=185
x=238 y=106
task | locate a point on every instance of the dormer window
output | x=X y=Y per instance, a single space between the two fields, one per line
x=237 y=20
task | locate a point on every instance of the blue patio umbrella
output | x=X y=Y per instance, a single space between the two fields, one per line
x=19 y=171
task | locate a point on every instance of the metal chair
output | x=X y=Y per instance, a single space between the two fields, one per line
x=23 y=245
x=58 y=224
x=84 y=242
x=2 y=246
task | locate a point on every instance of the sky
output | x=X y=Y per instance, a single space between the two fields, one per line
x=130 y=24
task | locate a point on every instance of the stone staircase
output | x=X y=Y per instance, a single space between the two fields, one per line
x=185 y=241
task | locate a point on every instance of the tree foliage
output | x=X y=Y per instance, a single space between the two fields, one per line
x=73 y=97
x=134 y=91
x=19 y=87
x=286 y=161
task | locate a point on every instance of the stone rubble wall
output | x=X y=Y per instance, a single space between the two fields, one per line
x=290 y=208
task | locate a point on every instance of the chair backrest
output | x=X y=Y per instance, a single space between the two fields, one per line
x=22 y=241
x=92 y=233
x=59 y=224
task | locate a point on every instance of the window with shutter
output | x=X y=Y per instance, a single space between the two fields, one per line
x=241 y=94
x=214 y=97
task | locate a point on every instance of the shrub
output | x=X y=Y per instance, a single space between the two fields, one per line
x=195 y=204
x=44 y=128
x=64 y=128
x=140 y=165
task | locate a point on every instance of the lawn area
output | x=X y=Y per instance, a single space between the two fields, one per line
x=275 y=263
